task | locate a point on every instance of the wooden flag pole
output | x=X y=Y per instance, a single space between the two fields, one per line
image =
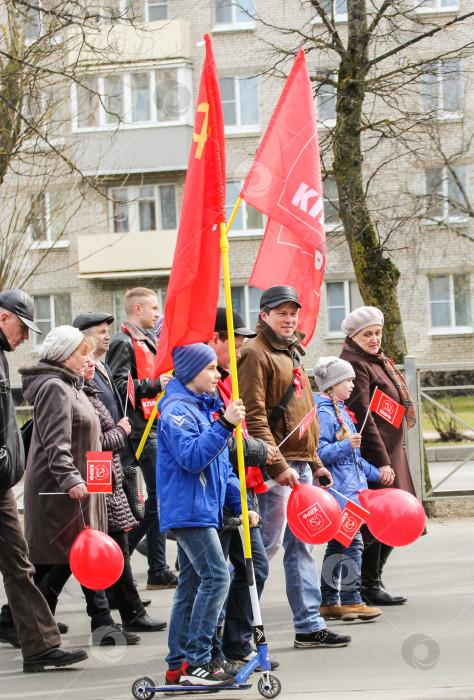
x=224 y=245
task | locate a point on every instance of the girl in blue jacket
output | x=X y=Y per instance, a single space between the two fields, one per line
x=339 y=451
x=194 y=479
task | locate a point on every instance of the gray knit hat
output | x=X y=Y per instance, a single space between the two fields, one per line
x=332 y=370
x=361 y=318
x=60 y=343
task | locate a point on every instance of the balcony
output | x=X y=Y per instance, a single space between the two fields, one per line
x=115 y=255
x=137 y=150
x=121 y=43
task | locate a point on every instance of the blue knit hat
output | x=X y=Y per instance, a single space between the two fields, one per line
x=189 y=360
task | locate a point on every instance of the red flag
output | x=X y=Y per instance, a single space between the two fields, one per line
x=353 y=517
x=131 y=390
x=387 y=408
x=285 y=259
x=284 y=182
x=304 y=425
x=193 y=289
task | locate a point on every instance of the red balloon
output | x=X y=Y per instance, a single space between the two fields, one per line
x=396 y=517
x=313 y=514
x=96 y=560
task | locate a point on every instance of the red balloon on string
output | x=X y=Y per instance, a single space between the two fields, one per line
x=313 y=514
x=396 y=517
x=96 y=560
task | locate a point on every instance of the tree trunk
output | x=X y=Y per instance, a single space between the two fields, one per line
x=376 y=275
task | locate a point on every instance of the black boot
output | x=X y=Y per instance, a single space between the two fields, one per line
x=374 y=557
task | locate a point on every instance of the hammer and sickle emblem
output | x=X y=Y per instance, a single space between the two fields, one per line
x=202 y=137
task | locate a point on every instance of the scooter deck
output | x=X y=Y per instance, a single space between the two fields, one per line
x=195 y=688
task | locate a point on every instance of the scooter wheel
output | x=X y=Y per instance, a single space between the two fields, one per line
x=270 y=688
x=139 y=688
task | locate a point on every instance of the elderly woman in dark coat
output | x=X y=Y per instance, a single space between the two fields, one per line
x=65 y=428
x=119 y=516
x=382 y=443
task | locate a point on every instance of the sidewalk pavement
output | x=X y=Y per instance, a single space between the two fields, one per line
x=419 y=651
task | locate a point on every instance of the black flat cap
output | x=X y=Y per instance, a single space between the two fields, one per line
x=91 y=318
x=239 y=324
x=273 y=296
x=21 y=304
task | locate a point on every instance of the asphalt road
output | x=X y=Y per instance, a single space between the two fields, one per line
x=422 y=650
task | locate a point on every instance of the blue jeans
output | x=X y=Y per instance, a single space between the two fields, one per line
x=202 y=588
x=340 y=575
x=237 y=639
x=301 y=572
x=149 y=526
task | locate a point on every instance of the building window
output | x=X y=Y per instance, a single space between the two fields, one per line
x=247 y=220
x=240 y=101
x=145 y=97
x=430 y=5
x=442 y=88
x=246 y=301
x=333 y=8
x=234 y=14
x=444 y=189
x=450 y=303
x=50 y=311
x=331 y=203
x=341 y=298
x=155 y=10
x=116 y=11
x=143 y=208
x=48 y=217
x=326 y=99
x=33 y=23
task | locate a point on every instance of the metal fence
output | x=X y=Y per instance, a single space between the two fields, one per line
x=444 y=463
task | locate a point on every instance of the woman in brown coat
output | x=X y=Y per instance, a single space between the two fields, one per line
x=382 y=443
x=66 y=427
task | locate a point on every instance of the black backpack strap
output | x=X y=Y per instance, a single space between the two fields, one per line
x=280 y=408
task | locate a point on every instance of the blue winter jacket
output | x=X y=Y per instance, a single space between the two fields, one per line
x=349 y=470
x=193 y=474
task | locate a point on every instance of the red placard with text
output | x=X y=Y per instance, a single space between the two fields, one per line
x=353 y=517
x=387 y=408
x=99 y=472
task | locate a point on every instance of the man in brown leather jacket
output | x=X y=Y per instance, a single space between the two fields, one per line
x=268 y=367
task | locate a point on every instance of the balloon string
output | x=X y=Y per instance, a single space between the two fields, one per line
x=82 y=513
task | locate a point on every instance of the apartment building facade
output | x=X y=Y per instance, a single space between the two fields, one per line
x=132 y=124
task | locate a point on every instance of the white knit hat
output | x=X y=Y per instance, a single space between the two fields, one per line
x=332 y=370
x=361 y=318
x=60 y=343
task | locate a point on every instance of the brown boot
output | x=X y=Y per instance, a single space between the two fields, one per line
x=330 y=612
x=359 y=611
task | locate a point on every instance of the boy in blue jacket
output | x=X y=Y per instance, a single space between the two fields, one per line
x=338 y=448
x=194 y=480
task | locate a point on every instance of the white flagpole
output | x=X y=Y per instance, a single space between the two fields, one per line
x=296 y=428
x=368 y=411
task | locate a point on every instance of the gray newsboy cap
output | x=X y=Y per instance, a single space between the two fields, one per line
x=91 y=318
